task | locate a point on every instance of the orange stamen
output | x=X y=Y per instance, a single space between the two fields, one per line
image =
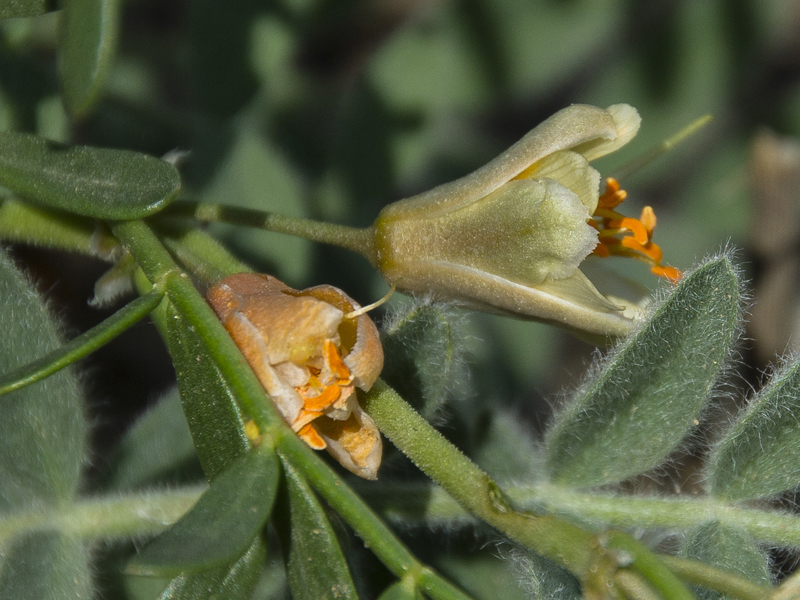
x=334 y=361
x=328 y=396
x=626 y=236
x=310 y=436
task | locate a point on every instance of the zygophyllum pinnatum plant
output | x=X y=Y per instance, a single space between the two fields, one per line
x=267 y=374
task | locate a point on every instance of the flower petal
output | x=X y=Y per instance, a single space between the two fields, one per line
x=571 y=170
x=355 y=442
x=576 y=126
x=626 y=122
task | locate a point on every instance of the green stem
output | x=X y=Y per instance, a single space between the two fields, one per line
x=83 y=345
x=648 y=566
x=369 y=527
x=352 y=238
x=105 y=517
x=202 y=255
x=568 y=545
x=726 y=582
x=157 y=265
x=634 y=587
x=26 y=224
x=432 y=506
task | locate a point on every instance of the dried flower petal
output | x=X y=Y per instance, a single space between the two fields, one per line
x=310 y=359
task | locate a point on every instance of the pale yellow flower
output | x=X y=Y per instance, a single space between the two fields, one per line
x=509 y=237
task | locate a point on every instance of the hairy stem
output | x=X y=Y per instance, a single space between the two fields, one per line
x=105 y=517
x=27 y=224
x=471 y=487
x=729 y=583
x=419 y=503
x=157 y=265
x=352 y=238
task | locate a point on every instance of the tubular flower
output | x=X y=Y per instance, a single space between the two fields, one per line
x=309 y=355
x=509 y=237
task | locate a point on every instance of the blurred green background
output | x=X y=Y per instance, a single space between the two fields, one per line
x=331 y=109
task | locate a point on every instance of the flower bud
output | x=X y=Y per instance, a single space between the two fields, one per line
x=310 y=356
x=509 y=237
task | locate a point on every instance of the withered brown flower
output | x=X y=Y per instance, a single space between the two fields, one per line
x=310 y=355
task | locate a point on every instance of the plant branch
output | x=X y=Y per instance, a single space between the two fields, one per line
x=430 y=505
x=83 y=345
x=727 y=582
x=471 y=487
x=27 y=224
x=156 y=264
x=593 y=559
x=352 y=238
x=105 y=517
x=202 y=255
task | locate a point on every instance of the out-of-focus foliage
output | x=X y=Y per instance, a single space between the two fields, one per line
x=330 y=110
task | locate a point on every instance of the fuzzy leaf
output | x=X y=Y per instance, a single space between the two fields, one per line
x=424 y=348
x=235 y=581
x=158 y=443
x=542 y=578
x=89 y=31
x=42 y=427
x=759 y=455
x=45 y=566
x=221 y=525
x=94 y=182
x=726 y=548
x=10 y=9
x=646 y=396
x=211 y=411
x=316 y=566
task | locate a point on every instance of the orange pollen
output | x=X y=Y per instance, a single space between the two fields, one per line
x=334 y=361
x=310 y=436
x=328 y=396
x=323 y=389
x=625 y=236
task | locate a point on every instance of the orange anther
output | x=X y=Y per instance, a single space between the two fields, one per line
x=648 y=219
x=328 y=396
x=334 y=361
x=667 y=272
x=626 y=236
x=651 y=250
x=310 y=436
x=612 y=196
x=638 y=230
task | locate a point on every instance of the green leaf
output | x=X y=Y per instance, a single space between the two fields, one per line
x=94 y=182
x=542 y=578
x=759 y=455
x=235 y=581
x=400 y=590
x=42 y=427
x=81 y=346
x=45 y=566
x=89 y=31
x=211 y=411
x=157 y=444
x=727 y=548
x=316 y=566
x=424 y=348
x=10 y=9
x=222 y=524
x=646 y=396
